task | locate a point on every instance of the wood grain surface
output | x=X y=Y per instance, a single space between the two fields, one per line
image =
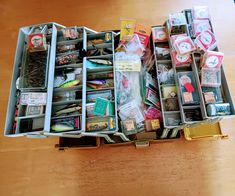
x=33 y=167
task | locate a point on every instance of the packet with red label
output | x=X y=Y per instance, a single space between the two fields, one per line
x=212 y=59
x=143 y=33
x=184 y=45
x=181 y=59
x=37 y=42
x=206 y=41
x=176 y=37
x=159 y=34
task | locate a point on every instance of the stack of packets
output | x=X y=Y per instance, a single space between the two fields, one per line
x=198 y=39
x=137 y=91
x=211 y=62
x=182 y=44
x=211 y=81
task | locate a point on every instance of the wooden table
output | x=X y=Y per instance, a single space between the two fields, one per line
x=35 y=167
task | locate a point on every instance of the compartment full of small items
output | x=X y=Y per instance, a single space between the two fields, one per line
x=216 y=98
x=68 y=110
x=138 y=91
x=182 y=49
x=101 y=109
x=28 y=98
x=166 y=78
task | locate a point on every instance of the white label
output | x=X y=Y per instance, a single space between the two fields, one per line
x=182 y=58
x=36 y=40
x=33 y=98
x=131 y=110
x=128 y=65
x=212 y=61
x=206 y=38
x=185 y=47
x=184 y=80
x=161 y=35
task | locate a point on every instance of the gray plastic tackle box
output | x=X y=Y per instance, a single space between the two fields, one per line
x=15 y=121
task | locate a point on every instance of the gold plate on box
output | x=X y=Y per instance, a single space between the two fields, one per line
x=204 y=131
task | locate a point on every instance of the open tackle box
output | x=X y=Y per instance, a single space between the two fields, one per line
x=187 y=56
x=58 y=74
x=137 y=85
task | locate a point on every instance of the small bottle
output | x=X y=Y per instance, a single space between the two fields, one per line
x=218 y=109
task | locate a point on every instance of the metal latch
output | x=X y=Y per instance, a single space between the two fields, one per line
x=142 y=144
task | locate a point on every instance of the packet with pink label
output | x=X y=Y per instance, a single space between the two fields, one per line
x=206 y=41
x=181 y=59
x=212 y=59
x=176 y=37
x=153 y=113
x=201 y=12
x=200 y=26
x=184 y=45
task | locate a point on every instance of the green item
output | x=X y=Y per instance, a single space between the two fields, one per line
x=93 y=64
x=70 y=83
x=61 y=127
x=100 y=106
x=111 y=108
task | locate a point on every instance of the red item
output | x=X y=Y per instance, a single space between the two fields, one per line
x=189 y=87
x=153 y=113
x=206 y=40
x=212 y=59
x=176 y=37
x=36 y=42
x=143 y=33
x=180 y=59
x=125 y=82
x=184 y=45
